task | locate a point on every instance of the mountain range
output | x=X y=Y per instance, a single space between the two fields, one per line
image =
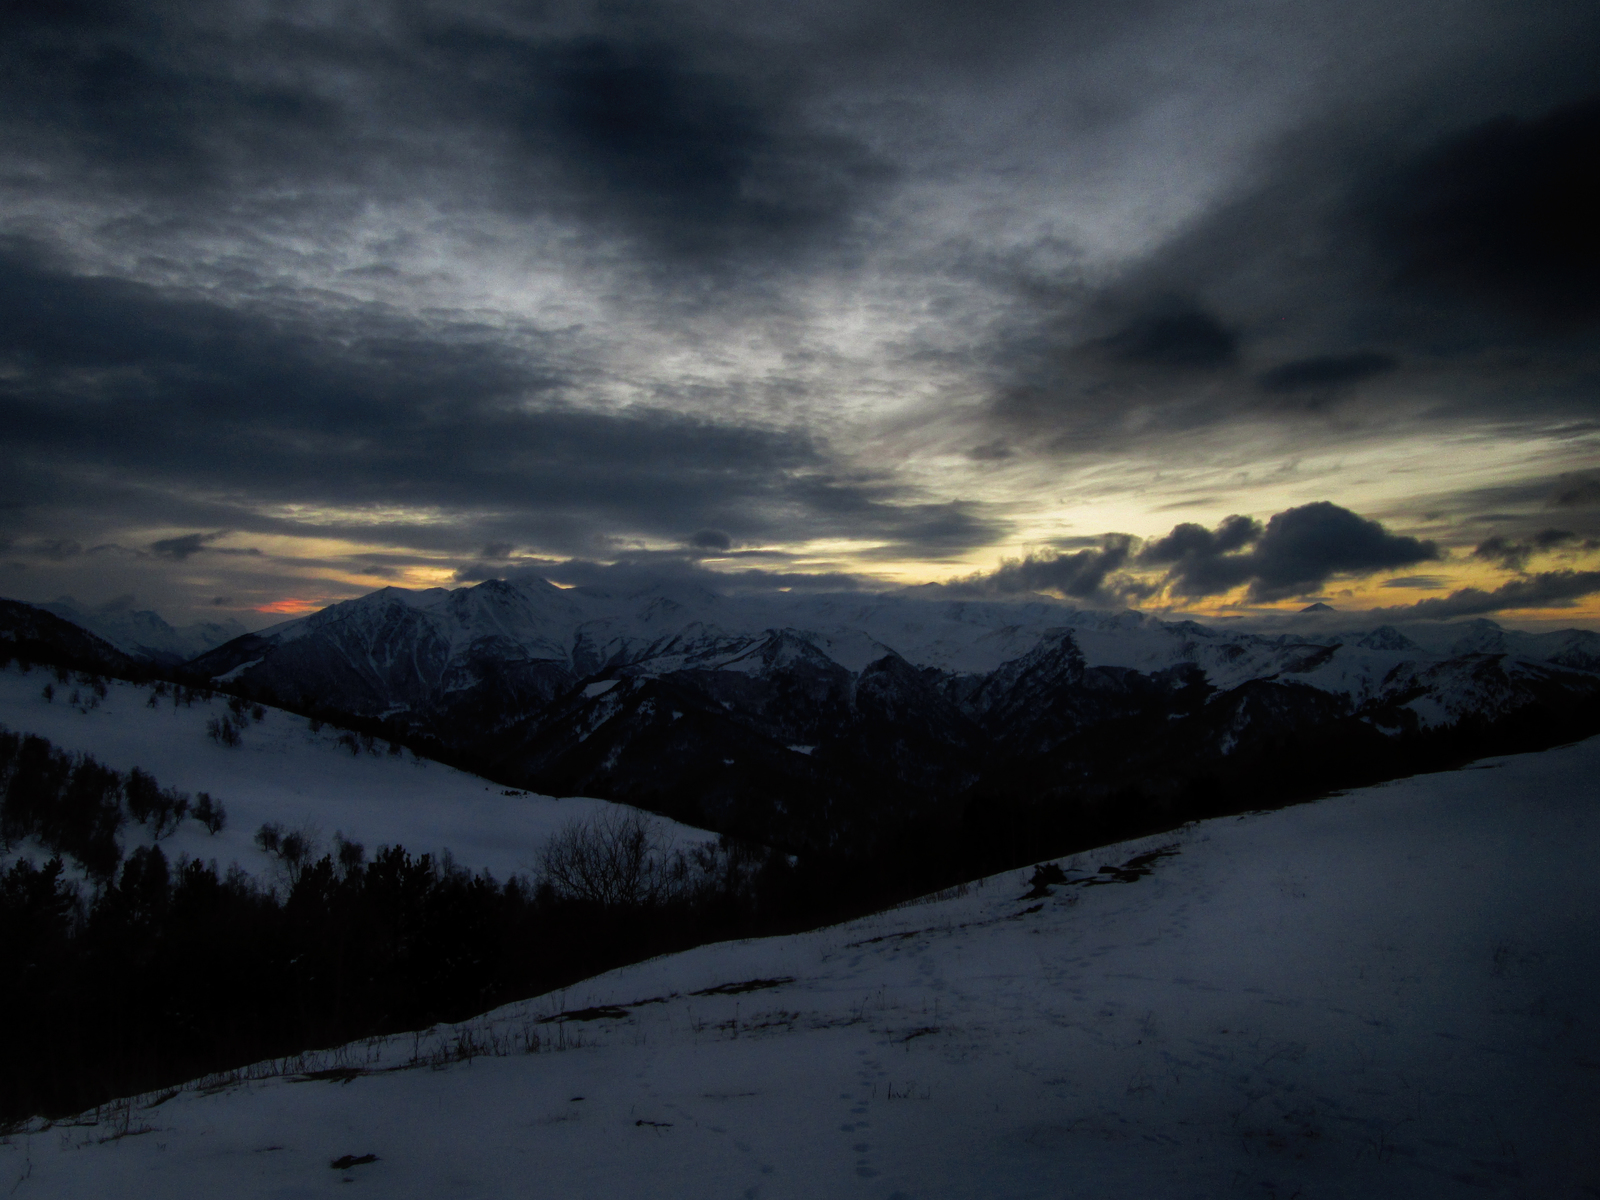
x=804 y=720
x=859 y=751
x=814 y=721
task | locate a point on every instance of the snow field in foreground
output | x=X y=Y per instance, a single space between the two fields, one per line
x=285 y=773
x=1387 y=993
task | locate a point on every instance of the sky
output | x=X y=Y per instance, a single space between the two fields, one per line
x=1220 y=308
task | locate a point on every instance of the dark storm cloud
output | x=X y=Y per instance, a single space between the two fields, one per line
x=872 y=508
x=106 y=379
x=1428 y=583
x=1583 y=493
x=53 y=548
x=1204 y=562
x=1075 y=369
x=656 y=181
x=932 y=531
x=1513 y=554
x=1514 y=514
x=1325 y=371
x=1085 y=575
x=1173 y=333
x=1297 y=551
x=157 y=97
x=696 y=160
x=1303 y=547
x=1503 y=213
x=1548 y=589
x=995 y=451
x=674 y=134
x=179 y=548
x=1439 y=244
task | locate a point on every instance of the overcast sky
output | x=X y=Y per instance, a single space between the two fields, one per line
x=1204 y=306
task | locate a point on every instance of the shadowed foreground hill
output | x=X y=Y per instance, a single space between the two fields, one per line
x=1389 y=993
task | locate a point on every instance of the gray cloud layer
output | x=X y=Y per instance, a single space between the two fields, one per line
x=1439 y=247
x=198 y=401
x=1298 y=551
x=566 y=281
x=1548 y=589
x=1294 y=554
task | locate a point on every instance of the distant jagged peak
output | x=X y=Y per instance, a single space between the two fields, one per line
x=676 y=624
x=1386 y=637
x=530 y=585
x=784 y=646
x=1191 y=628
x=143 y=633
x=1479 y=636
x=119 y=611
x=384 y=597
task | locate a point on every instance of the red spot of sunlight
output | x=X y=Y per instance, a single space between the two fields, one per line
x=291 y=607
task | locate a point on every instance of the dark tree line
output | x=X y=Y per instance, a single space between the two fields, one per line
x=174 y=969
x=76 y=806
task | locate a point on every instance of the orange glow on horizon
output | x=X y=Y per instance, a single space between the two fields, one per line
x=292 y=607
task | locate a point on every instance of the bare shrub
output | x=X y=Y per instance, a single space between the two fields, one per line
x=170 y=812
x=295 y=849
x=209 y=812
x=610 y=860
x=351 y=855
x=223 y=731
x=269 y=837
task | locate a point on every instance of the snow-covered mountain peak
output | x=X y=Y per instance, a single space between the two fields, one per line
x=1479 y=636
x=1386 y=637
x=143 y=633
x=584 y=629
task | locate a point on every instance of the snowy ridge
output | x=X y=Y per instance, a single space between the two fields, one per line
x=586 y=629
x=1384 y=994
x=908 y=703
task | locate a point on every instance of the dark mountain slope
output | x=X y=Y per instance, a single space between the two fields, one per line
x=34 y=635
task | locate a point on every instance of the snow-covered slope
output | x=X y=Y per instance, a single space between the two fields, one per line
x=1390 y=993
x=283 y=772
